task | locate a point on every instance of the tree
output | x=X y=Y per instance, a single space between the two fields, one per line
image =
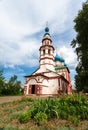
x=14 y=86
x=80 y=43
x=11 y=87
x=2 y=82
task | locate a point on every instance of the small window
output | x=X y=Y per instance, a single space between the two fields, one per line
x=47 y=42
x=43 y=52
x=48 y=51
x=44 y=42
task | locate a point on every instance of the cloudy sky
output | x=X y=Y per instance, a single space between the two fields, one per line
x=22 y=24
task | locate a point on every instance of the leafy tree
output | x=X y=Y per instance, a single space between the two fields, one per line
x=11 y=87
x=2 y=82
x=80 y=43
x=14 y=86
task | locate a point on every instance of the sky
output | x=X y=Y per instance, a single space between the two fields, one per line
x=22 y=24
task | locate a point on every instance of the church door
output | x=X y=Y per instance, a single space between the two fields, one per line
x=33 y=89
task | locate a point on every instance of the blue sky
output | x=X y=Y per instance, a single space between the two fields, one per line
x=22 y=24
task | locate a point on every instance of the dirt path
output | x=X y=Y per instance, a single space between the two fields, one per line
x=9 y=98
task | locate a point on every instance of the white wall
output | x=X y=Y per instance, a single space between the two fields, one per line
x=52 y=87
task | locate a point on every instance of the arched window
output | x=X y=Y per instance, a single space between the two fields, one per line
x=47 y=42
x=43 y=52
x=48 y=51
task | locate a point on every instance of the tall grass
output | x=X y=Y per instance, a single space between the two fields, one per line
x=73 y=108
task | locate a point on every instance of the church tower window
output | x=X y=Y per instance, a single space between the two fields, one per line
x=48 y=51
x=47 y=42
x=43 y=52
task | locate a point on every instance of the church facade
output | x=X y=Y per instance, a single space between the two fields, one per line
x=53 y=76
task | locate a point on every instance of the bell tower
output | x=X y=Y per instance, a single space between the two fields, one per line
x=46 y=52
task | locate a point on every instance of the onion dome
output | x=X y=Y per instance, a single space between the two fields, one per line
x=47 y=35
x=47 y=32
x=46 y=29
x=58 y=58
x=61 y=59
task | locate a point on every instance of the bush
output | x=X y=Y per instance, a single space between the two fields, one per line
x=40 y=118
x=24 y=117
x=73 y=108
x=74 y=119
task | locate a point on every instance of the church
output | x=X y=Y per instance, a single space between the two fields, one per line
x=52 y=78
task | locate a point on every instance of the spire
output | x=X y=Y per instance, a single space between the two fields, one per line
x=46 y=34
x=46 y=23
x=47 y=29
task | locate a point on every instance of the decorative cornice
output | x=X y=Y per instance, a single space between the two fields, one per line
x=37 y=74
x=46 y=58
x=46 y=46
x=46 y=64
x=47 y=54
x=46 y=39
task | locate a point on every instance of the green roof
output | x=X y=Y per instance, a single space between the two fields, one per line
x=60 y=67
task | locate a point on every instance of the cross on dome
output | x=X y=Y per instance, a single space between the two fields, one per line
x=46 y=23
x=47 y=29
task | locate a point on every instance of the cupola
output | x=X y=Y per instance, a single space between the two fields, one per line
x=46 y=35
x=58 y=58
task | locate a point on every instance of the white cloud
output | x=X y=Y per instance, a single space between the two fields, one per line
x=73 y=84
x=68 y=54
x=18 y=18
x=22 y=53
x=22 y=18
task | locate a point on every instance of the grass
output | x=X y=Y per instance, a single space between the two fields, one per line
x=11 y=111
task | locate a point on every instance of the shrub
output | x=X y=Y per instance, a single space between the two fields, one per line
x=40 y=118
x=74 y=119
x=73 y=108
x=24 y=117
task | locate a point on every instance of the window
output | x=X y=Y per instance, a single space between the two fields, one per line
x=47 y=42
x=48 y=51
x=43 y=52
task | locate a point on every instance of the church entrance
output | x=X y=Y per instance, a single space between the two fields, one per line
x=33 y=89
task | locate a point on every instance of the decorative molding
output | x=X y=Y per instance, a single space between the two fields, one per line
x=46 y=47
x=46 y=64
x=47 y=54
x=46 y=39
x=46 y=58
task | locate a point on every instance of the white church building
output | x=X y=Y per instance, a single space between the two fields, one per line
x=53 y=76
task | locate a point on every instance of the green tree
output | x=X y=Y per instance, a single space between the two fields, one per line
x=11 y=87
x=2 y=82
x=80 y=43
x=14 y=86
